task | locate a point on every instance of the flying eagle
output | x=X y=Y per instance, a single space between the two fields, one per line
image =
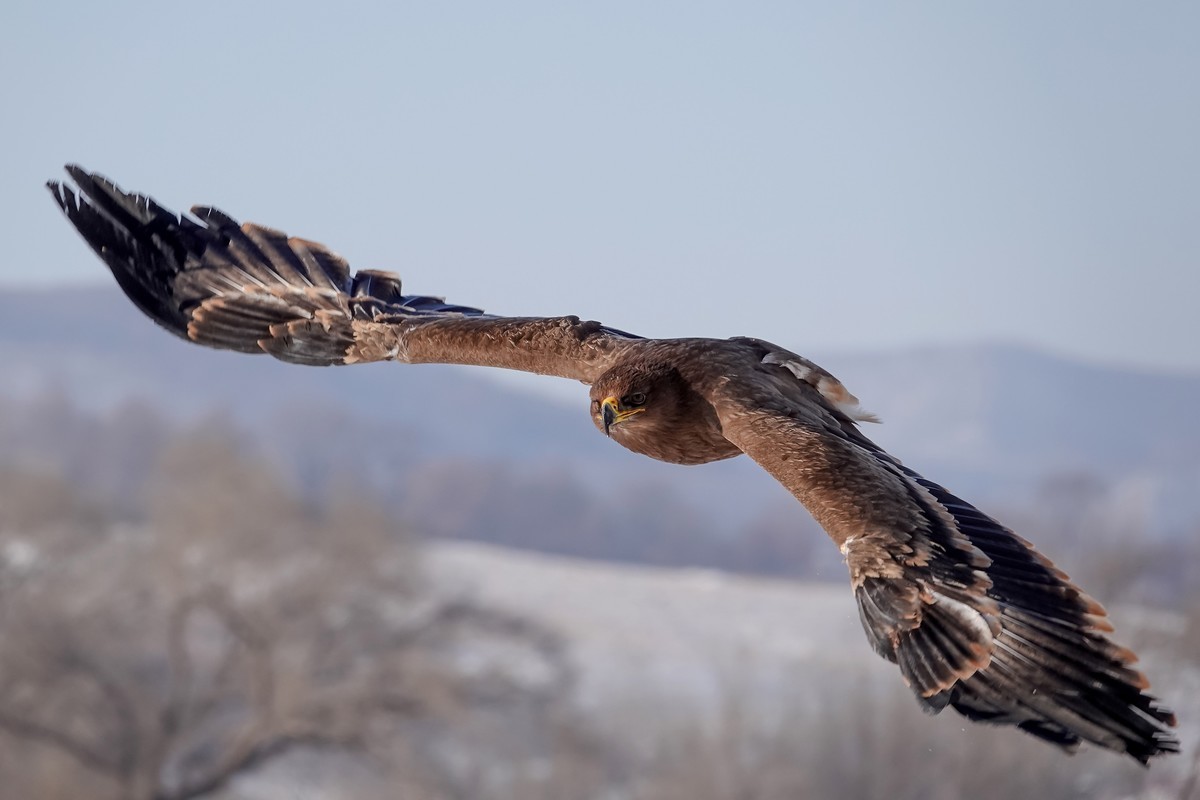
x=973 y=616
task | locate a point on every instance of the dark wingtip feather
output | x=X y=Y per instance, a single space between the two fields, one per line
x=122 y=229
x=1056 y=674
x=1050 y=668
x=57 y=192
x=207 y=278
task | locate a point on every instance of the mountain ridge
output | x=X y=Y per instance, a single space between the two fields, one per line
x=991 y=420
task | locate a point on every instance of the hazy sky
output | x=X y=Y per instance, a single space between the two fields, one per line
x=829 y=176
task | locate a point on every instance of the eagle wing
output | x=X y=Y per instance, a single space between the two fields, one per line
x=253 y=289
x=972 y=614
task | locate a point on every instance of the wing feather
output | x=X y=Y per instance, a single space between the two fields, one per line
x=253 y=289
x=974 y=616
x=971 y=613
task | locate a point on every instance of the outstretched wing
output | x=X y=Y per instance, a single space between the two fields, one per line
x=253 y=289
x=974 y=616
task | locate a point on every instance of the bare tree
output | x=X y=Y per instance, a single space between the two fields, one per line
x=238 y=625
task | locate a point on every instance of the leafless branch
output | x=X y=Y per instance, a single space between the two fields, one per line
x=87 y=756
x=130 y=739
x=251 y=756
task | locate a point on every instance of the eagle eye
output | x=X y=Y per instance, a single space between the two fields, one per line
x=634 y=400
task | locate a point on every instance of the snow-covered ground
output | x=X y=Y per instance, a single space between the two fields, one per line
x=698 y=635
x=668 y=632
x=654 y=647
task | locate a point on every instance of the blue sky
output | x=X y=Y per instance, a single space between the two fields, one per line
x=826 y=176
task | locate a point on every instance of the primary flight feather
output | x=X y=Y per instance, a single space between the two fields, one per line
x=974 y=617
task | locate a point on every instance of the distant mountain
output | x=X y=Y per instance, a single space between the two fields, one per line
x=1002 y=419
x=993 y=422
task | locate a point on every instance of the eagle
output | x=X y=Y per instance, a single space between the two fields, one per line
x=974 y=617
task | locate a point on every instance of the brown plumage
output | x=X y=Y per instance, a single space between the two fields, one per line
x=974 y=617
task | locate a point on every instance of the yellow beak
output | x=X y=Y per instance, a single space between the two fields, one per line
x=612 y=413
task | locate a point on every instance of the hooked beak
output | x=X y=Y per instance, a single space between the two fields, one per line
x=611 y=413
x=608 y=411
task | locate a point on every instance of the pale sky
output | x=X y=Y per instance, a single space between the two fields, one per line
x=829 y=176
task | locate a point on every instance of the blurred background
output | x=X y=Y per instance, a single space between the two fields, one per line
x=223 y=577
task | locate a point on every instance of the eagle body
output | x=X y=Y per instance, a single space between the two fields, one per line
x=973 y=616
x=680 y=424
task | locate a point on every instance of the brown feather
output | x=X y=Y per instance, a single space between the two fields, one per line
x=972 y=614
x=251 y=288
x=1041 y=658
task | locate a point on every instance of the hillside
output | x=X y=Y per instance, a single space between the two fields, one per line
x=715 y=644
x=993 y=422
